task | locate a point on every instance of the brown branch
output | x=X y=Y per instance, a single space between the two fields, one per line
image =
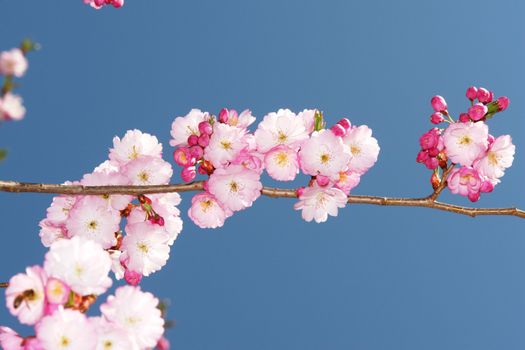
x=442 y=183
x=426 y=202
x=4 y=284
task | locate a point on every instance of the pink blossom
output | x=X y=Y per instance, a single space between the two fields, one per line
x=80 y=263
x=282 y=163
x=318 y=202
x=148 y=170
x=145 y=248
x=464 y=118
x=205 y=127
x=134 y=145
x=25 y=296
x=132 y=277
x=251 y=160
x=436 y=118
x=11 y=107
x=466 y=181
x=364 y=149
x=163 y=344
x=57 y=292
x=281 y=128
x=430 y=139
x=499 y=157
x=137 y=313
x=66 y=329
x=106 y=176
x=166 y=206
x=438 y=103
x=347 y=181
x=206 y=211
x=465 y=142
x=345 y=123
x=477 y=112
x=183 y=127
x=338 y=130
x=244 y=120
x=13 y=62
x=50 y=232
x=226 y=143
x=325 y=154
x=308 y=118
x=92 y=219
x=188 y=174
x=10 y=340
x=110 y=336
x=235 y=187
x=183 y=157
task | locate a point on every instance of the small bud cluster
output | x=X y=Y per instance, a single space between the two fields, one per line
x=284 y=144
x=13 y=64
x=481 y=158
x=54 y=298
x=97 y=4
x=152 y=222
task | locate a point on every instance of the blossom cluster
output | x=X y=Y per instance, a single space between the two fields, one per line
x=480 y=157
x=140 y=244
x=284 y=144
x=53 y=298
x=13 y=64
x=97 y=4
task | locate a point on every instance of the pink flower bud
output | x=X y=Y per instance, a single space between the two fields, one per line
x=433 y=152
x=100 y=2
x=436 y=118
x=163 y=344
x=422 y=156
x=188 y=174
x=118 y=3
x=193 y=140
x=32 y=343
x=484 y=95
x=202 y=170
x=490 y=139
x=472 y=93
x=473 y=196
x=431 y=163
x=345 y=123
x=57 y=292
x=223 y=115
x=486 y=186
x=464 y=118
x=299 y=191
x=205 y=128
x=322 y=180
x=438 y=103
x=196 y=152
x=338 y=130
x=182 y=156
x=204 y=140
x=503 y=103
x=132 y=277
x=430 y=139
x=477 y=112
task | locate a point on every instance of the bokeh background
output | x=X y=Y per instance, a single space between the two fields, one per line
x=372 y=278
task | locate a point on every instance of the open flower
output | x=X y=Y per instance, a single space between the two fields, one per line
x=499 y=157
x=282 y=163
x=183 y=127
x=66 y=329
x=318 y=202
x=25 y=296
x=466 y=142
x=281 y=128
x=226 y=143
x=206 y=211
x=135 y=144
x=364 y=148
x=13 y=62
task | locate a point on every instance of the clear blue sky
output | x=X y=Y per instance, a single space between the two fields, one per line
x=374 y=278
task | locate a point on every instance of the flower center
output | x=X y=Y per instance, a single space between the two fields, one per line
x=325 y=158
x=493 y=158
x=465 y=140
x=355 y=150
x=64 y=341
x=281 y=159
x=133 y=154
x=143 y=247
x=226 y=145
x=108 y=344
x=143 y=176
x=78 y=270
x=282 y=137
x=92 y=225
x=234 y=187
x=205 y=205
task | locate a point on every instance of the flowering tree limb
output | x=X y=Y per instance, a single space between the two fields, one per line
x=426 y=202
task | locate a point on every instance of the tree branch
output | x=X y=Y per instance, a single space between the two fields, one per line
x=425 y=202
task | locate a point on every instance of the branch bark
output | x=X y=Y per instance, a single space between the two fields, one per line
x=425 y=202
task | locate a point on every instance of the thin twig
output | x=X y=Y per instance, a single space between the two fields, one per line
x=4 y=284
x=425 y=202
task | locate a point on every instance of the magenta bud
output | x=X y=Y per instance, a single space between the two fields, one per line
x=132 y=277
x=432 y=163
x=473 y=196
x=503 y=103
x=299 y=191
x=204 y=140
x=472 y=93
x=477 y=112
x=223 y=115
x=486 y=186
x=202 y=170
x=188 y=174
x=436 y=118
x=338 y=130
x=182 y=156
x=490 y=139
x=484 y=95
x=422 y=156
x=100 y=2
x=322 y=180
x=159 y=220
x=205 y=128
x=464 y=118
x=193 y=140
x=196 y=152
x=345 y=123
x=438 y=103
x=118 y=3
x=163 y=344
x=433 y=152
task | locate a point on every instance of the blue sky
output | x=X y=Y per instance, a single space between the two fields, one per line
x=373 y=278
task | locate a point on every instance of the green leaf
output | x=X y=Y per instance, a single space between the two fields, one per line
x=318 y=120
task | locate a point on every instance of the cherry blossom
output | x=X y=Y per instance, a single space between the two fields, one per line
x=499 y=157
x=466 y=142
x=318 y=202
x=364 y=148
x=206 y=211
x=183 y=127
x=66 y=329
x=225 y=144
x=11 y=107
x=282 y=163
x=25 y=296
x=280 y=128
x=13 y=62
x=134 y=145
